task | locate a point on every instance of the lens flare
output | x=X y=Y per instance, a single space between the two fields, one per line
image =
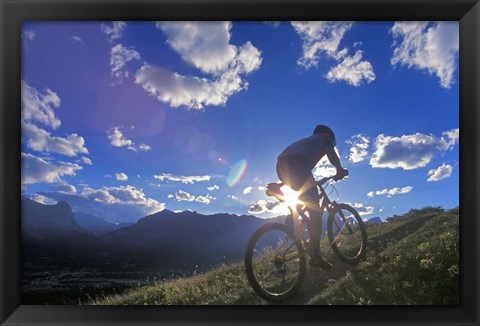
x=237 y=171
x=290 y=196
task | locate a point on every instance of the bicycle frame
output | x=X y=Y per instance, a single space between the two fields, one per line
x=325 y=205
x=298 y=211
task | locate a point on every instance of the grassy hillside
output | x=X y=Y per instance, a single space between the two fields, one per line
x=412 y=259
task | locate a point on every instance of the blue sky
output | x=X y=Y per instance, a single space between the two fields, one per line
x=123 y=119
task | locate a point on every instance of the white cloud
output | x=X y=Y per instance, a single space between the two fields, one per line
x=323 y=38
x=324 y=168
x=166 y=177
x=39 y=170
x=189 y=91
x=442 y=172
x=41 y=140
x=410 y=151
x=352 y=70
x=249 y=58
x=132 y=195
x=121 y=176
x=28 y=35
x=144 y=147
x=123 y=195
x=78 y=39
x=204 y=199
x=98 y=195
x=390 y=192
x=361 y=209
x=359 y=149
x=117 y=204
x=206 y=46
x=114 y=30
x=274 y=24
x=451 y=138
x=119 y=57
x=37 y=107
x=42 y=199
x=214 y=187
x=247 y=190
x=184 y=196
x=118 y=139
x=87 y=161
x=432 y=47
x=65 y=188
x=264 y=206
x=320 y=37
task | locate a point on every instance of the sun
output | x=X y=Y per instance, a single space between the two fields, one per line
x=290 y=196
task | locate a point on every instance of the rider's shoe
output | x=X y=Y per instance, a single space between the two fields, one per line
x=317 y=261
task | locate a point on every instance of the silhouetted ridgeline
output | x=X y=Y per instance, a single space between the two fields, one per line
x=413 y=259
x=73 y=257
x=97 y=225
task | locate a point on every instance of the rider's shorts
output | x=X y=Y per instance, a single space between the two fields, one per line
x=294 y=172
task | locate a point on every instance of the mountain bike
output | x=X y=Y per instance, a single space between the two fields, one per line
x=276 y=255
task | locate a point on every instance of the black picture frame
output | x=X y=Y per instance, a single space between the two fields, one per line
x=14 y=12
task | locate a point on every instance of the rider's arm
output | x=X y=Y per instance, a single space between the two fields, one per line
x=335 y=160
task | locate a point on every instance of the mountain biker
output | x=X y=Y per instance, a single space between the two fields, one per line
x=294 y=168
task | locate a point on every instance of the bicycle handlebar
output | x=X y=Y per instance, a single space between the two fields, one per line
x=322 y=181
x=333 y=177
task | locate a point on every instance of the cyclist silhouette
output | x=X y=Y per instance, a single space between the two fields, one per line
x=294 y=168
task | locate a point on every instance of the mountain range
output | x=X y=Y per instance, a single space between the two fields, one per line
x=97 y=225
x=184 y=240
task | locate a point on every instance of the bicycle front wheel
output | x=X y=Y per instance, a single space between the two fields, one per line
x=275 y=262
x=346 y=234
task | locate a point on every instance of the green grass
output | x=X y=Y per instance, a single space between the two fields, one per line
x=223 y=286
x=412 y=260
x=416 y=264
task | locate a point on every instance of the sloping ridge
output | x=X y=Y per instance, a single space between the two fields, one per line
x=390 y=244
x=186 y=237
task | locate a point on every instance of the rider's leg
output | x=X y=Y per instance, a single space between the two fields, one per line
x=298 y=176
x=315 y=228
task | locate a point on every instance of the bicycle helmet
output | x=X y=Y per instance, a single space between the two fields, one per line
x=322 y=129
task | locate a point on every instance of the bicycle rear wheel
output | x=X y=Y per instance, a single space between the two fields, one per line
x=275 y=262
x=346 y=234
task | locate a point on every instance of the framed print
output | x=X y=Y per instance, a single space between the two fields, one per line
x=239 y=162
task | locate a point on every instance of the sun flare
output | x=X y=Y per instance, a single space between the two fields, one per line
x=290 y=196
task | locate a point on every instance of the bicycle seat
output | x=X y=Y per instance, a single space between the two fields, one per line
x=273 y=190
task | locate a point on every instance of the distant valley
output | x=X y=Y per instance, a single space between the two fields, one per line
x=63 y=249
